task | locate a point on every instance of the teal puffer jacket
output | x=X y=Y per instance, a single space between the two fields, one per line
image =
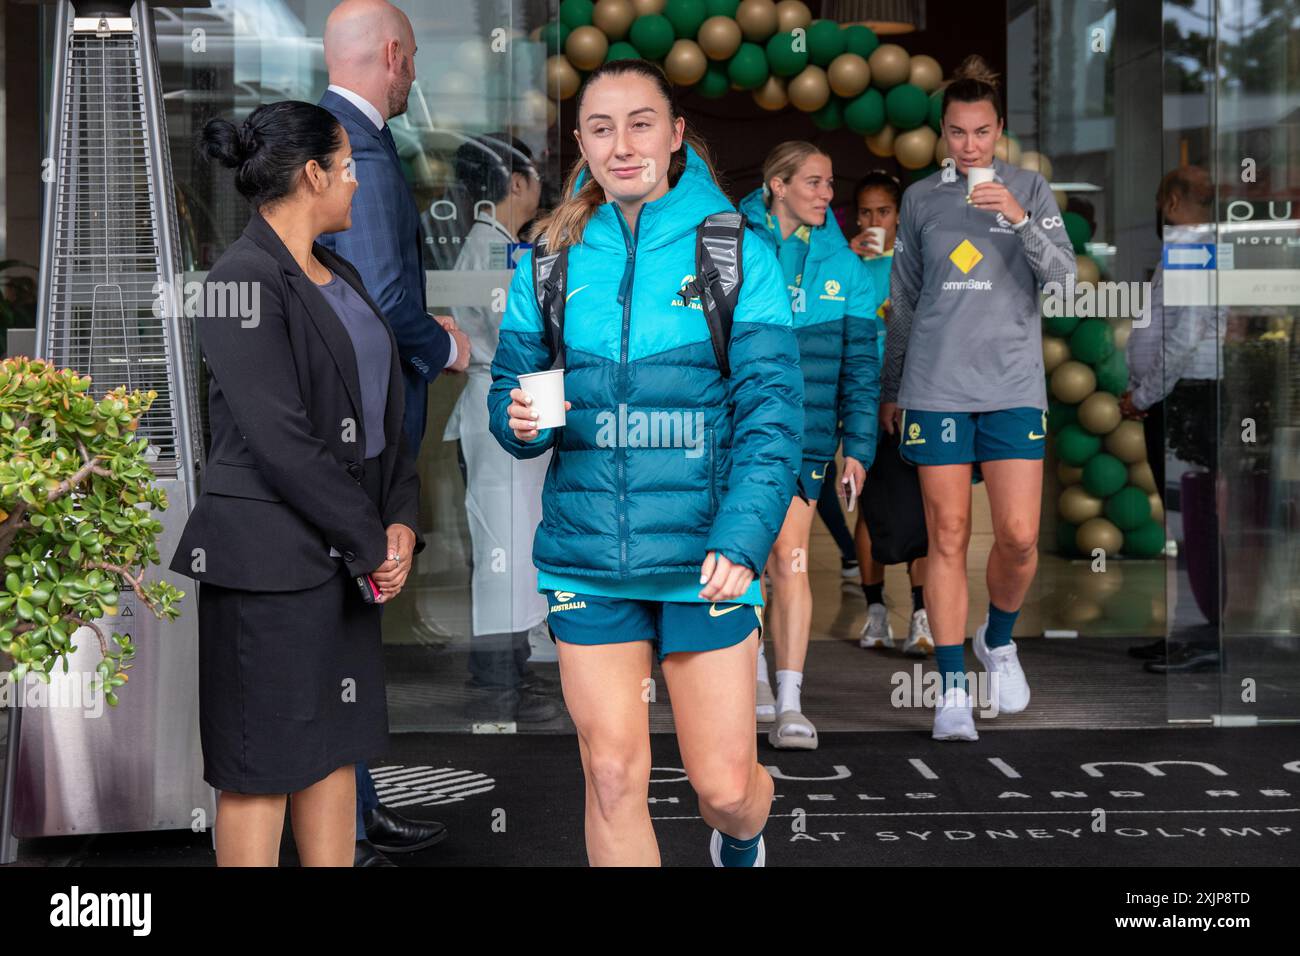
x=661 y=459
x=835 y=322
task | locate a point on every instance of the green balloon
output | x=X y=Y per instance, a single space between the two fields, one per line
x=935 y=118
x=714 y=84
x=748 y=68
x=576 y=13
x=906 y=106
x=622 y=50
x=1092 y=341
x=1144 y=541
x=1065 y=539
x=1104 y=474
x=1112 y=373
x=686 y=17
x=1060 y=414
x=652 y=35
x=860 y=39
x=1129 y=508
x=830 y=116
x=720 y=8
x=1077 y=228
x=1060 y=325
x=865 y=113
x=916 y=175
x=825 y=41
x=1075 y=445
x=553 y=35
x=783 y=58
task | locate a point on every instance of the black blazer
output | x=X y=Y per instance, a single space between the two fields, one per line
x=281 y=485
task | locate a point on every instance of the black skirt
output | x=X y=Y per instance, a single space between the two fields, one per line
x=291 y=683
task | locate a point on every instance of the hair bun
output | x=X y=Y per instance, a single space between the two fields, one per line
x=974 y=67
x=249 y=142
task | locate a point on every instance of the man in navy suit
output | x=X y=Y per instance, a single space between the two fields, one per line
x=370 y=55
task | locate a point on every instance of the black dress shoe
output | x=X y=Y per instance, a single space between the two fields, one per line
x=367 y=855
x=505 y=704
x=1153 y=651
x=538 y=684
x=393 y=833
x=1186 y=659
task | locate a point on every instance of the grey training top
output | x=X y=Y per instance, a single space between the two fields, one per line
x=965 y=296
x=374 y=356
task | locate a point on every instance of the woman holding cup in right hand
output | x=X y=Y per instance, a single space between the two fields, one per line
x=969 y=263
x=649 y=544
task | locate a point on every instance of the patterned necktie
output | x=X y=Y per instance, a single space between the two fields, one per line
x=386 y=135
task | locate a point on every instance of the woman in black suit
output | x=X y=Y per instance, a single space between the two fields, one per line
x=308 y=486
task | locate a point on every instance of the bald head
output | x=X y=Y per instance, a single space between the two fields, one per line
x=369 y=48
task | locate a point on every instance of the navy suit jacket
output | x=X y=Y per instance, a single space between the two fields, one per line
x=384 y=246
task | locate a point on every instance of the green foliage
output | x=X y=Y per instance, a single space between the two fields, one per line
x=76 y=519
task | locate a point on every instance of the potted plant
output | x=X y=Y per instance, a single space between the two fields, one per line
x=76 y=519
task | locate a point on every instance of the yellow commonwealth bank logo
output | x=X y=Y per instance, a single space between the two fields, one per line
x=965 y=257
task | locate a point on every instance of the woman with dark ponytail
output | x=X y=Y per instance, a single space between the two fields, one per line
x=306 y=522
x=969 y=265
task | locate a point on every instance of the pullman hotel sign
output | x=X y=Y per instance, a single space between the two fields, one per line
x=1250 y=259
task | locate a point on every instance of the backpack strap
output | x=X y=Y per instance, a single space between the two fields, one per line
x=719 y=273
x=550 y=279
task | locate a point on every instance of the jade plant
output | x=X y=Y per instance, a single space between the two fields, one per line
x=77 y=522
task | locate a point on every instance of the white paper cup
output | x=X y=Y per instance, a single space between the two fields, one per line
x=978 y=174
x=547 y=391
x=876 y=240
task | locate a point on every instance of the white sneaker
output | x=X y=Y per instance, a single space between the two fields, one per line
x=877 y=632
x=920 y=642
x=764 y=703
x=715 y=850
x=954 y=717
x=1006 y=676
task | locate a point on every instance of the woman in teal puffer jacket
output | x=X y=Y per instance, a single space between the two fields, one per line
x=833 y=303
x=669 y=482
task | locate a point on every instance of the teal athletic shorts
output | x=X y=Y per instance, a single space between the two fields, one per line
x=956 y=438
x=811 y=475
x=673 y=626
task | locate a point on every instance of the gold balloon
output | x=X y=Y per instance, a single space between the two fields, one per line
x=552 y=113
x=1098 y=533
x=1073 y=381
x=1128 y=443
x=810 y=90
x=791 y=14
x=562 y=79
x=719 y=37
x=771 y=95
x=1055 y=351
x=586 y=48
x=914 y=149
x=1014 y=152
x=925 y=72
x=685 y=63
x=757 y=19
x=645 y=8
x=890 y=65
x=1122 y=330
x=1095 y=586
x=882 y=143
x=1032 y=159
x=849 y=74
x=1007 y=150
x=1077 y=506
x=1086 y=269
x=1078 y=612
x=1062 y=200
x=1157 y=507
x=613 y=17
x=1140 y=474
x=940 y=150
x=1099 y=413
x=1068 y=474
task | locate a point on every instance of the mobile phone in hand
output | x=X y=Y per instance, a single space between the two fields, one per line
x=852 y=494
x=368 y=588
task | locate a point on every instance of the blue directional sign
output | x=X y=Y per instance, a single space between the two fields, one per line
x=1190 y=255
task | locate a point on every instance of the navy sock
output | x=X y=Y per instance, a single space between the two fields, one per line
x=998 y=633
x=875 y=593
x=918 y=598
x=736 y=852
x=951 y=661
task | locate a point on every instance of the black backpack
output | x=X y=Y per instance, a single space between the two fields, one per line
x=719 y=274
